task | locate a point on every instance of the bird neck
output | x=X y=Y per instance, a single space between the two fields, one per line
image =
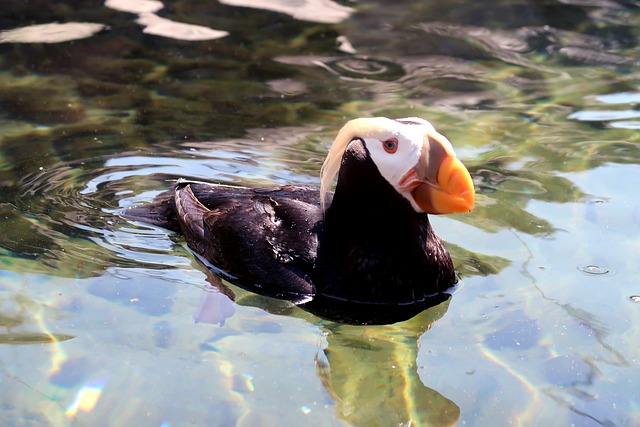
x=374 y=246
x=364 y=200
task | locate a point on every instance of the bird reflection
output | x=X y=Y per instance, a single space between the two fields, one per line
x=383 y=387
x=369 y=371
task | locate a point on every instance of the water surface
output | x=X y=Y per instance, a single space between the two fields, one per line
x=108 y=322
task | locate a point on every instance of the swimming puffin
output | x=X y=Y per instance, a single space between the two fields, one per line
x=366 y=248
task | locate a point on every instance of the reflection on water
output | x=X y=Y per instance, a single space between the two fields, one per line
x=104 y=104
x=51 y=33
x=372 y=375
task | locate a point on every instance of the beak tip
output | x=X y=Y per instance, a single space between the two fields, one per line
x=460 y=183
x=455 y=192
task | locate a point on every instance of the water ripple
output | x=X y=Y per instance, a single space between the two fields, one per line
x=70 y=209
x=363 y=68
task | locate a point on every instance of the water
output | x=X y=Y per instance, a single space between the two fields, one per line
x=106 y=322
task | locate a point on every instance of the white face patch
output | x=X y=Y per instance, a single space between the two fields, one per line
x=396 y=147
x=394 y=164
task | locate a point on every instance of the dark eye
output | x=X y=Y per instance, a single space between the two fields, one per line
x=390 y=145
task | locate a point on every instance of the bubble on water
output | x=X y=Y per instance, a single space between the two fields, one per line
x=595 y=270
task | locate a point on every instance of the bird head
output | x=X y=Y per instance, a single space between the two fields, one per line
x=413 y=157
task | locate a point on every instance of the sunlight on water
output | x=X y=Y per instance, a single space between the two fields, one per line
x=86 y=399
x=527 y=416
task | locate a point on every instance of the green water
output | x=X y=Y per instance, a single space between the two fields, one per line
x=107 y=322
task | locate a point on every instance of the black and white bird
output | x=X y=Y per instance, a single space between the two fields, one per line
x=367 y=247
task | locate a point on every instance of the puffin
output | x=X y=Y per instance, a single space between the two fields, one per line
x=362 y=253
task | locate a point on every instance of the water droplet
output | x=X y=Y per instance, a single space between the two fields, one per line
x=594 y=269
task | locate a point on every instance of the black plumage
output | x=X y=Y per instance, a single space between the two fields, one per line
x=374 y=247
x=372 y=257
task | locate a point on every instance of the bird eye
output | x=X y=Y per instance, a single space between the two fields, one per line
x=390 y=145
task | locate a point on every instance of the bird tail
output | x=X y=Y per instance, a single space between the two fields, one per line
x=160 y=212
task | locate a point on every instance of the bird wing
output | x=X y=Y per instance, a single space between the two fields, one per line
x=265 y=239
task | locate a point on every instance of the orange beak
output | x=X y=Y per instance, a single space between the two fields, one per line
x=439 y=183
